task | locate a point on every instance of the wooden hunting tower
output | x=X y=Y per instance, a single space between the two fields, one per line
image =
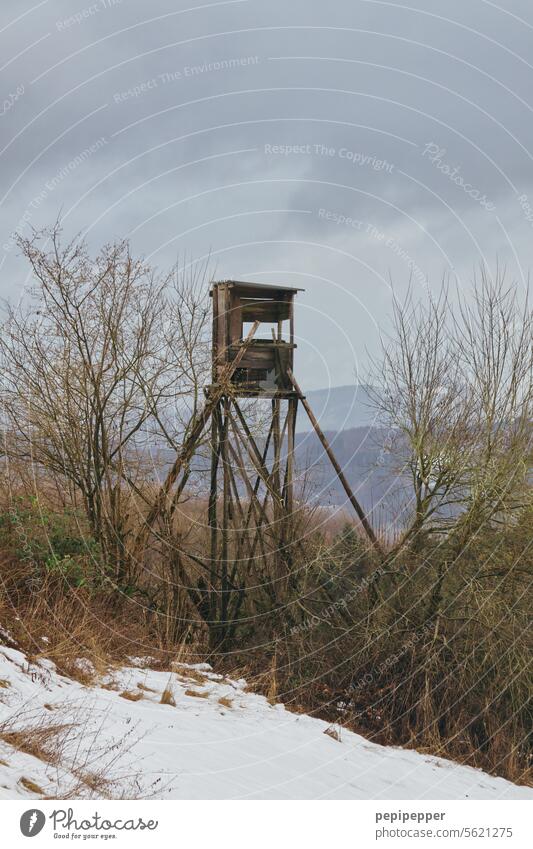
x=253 y=342
x=251 y=500
x=253 y=358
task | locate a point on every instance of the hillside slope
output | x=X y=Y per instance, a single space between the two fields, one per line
x=214 y=740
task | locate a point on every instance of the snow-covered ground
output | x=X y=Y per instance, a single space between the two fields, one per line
x=215 y=741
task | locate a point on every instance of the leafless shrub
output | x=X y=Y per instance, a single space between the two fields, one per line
x=454 y=387
x=100 y=360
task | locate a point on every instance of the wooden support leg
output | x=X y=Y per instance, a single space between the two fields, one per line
x=258 y=477
x=340 y=474
x=291 y=431
x=259 y=509
x=255 y=455
x=191 y=442
x=226 y=517
x=212 y=508
x=275 y=477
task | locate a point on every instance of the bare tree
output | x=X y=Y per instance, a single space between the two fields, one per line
x=455 y=389
x=418 y=392
x=98 y=362
x=493 y=348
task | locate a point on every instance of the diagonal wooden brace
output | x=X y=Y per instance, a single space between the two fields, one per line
x=191 y=441
x=340 y=474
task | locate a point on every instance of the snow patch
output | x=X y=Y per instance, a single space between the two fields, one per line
x=218 y=742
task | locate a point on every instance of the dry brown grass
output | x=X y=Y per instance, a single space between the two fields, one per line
x=47 y=616
x=334 y=733
x=462 y=716
x=146 y=689
x=75 y=746
x=196 y=694
x=77 y=624
x=131 y=696
x=167 y=697
x=38 y=741
x=31 y=786
x=225 y=702
x=185 y=674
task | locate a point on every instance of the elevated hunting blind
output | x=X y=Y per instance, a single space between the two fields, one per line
x=263 y=368
x=250 y=506
x=253 y=349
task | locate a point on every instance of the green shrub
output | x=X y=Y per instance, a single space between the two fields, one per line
x=52 y=542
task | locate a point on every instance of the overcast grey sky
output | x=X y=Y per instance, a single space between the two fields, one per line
x=334 y=146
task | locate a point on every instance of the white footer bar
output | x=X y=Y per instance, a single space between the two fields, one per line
x=258 y=824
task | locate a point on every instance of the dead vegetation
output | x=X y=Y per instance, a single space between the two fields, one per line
x=167 y=697
x=32 y=787
x=145 y=689
x=91 y=769
x=185 y=674
x=39 y=740
x=334 y=733
x=196 y=694
x=131 y=696
x=425 y=646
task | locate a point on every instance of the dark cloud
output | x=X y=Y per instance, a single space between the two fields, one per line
x=339 y=146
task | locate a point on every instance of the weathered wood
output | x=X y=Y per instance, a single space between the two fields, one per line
x=235 y=324
x=291 y=431
x=224 y=456
x=258 y=358
x=212 y=517
x=340 y=474
x=249 y=391
x=258 y=508
x=215 y=332
x=275 y=476
x=191 y=442
x=259 y=290
x=291 y=325
x=255 y=454
x=179 y=490
x=258 y=477
x=267 y=311
x=221 y=353
x=236 y=453
x=278 y=526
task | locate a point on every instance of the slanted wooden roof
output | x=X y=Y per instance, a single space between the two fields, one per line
x=260 y=290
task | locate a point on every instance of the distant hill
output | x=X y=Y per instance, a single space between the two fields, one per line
x=346 y=416
x=338 y=408
x=362 y=454
x=368 y=466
